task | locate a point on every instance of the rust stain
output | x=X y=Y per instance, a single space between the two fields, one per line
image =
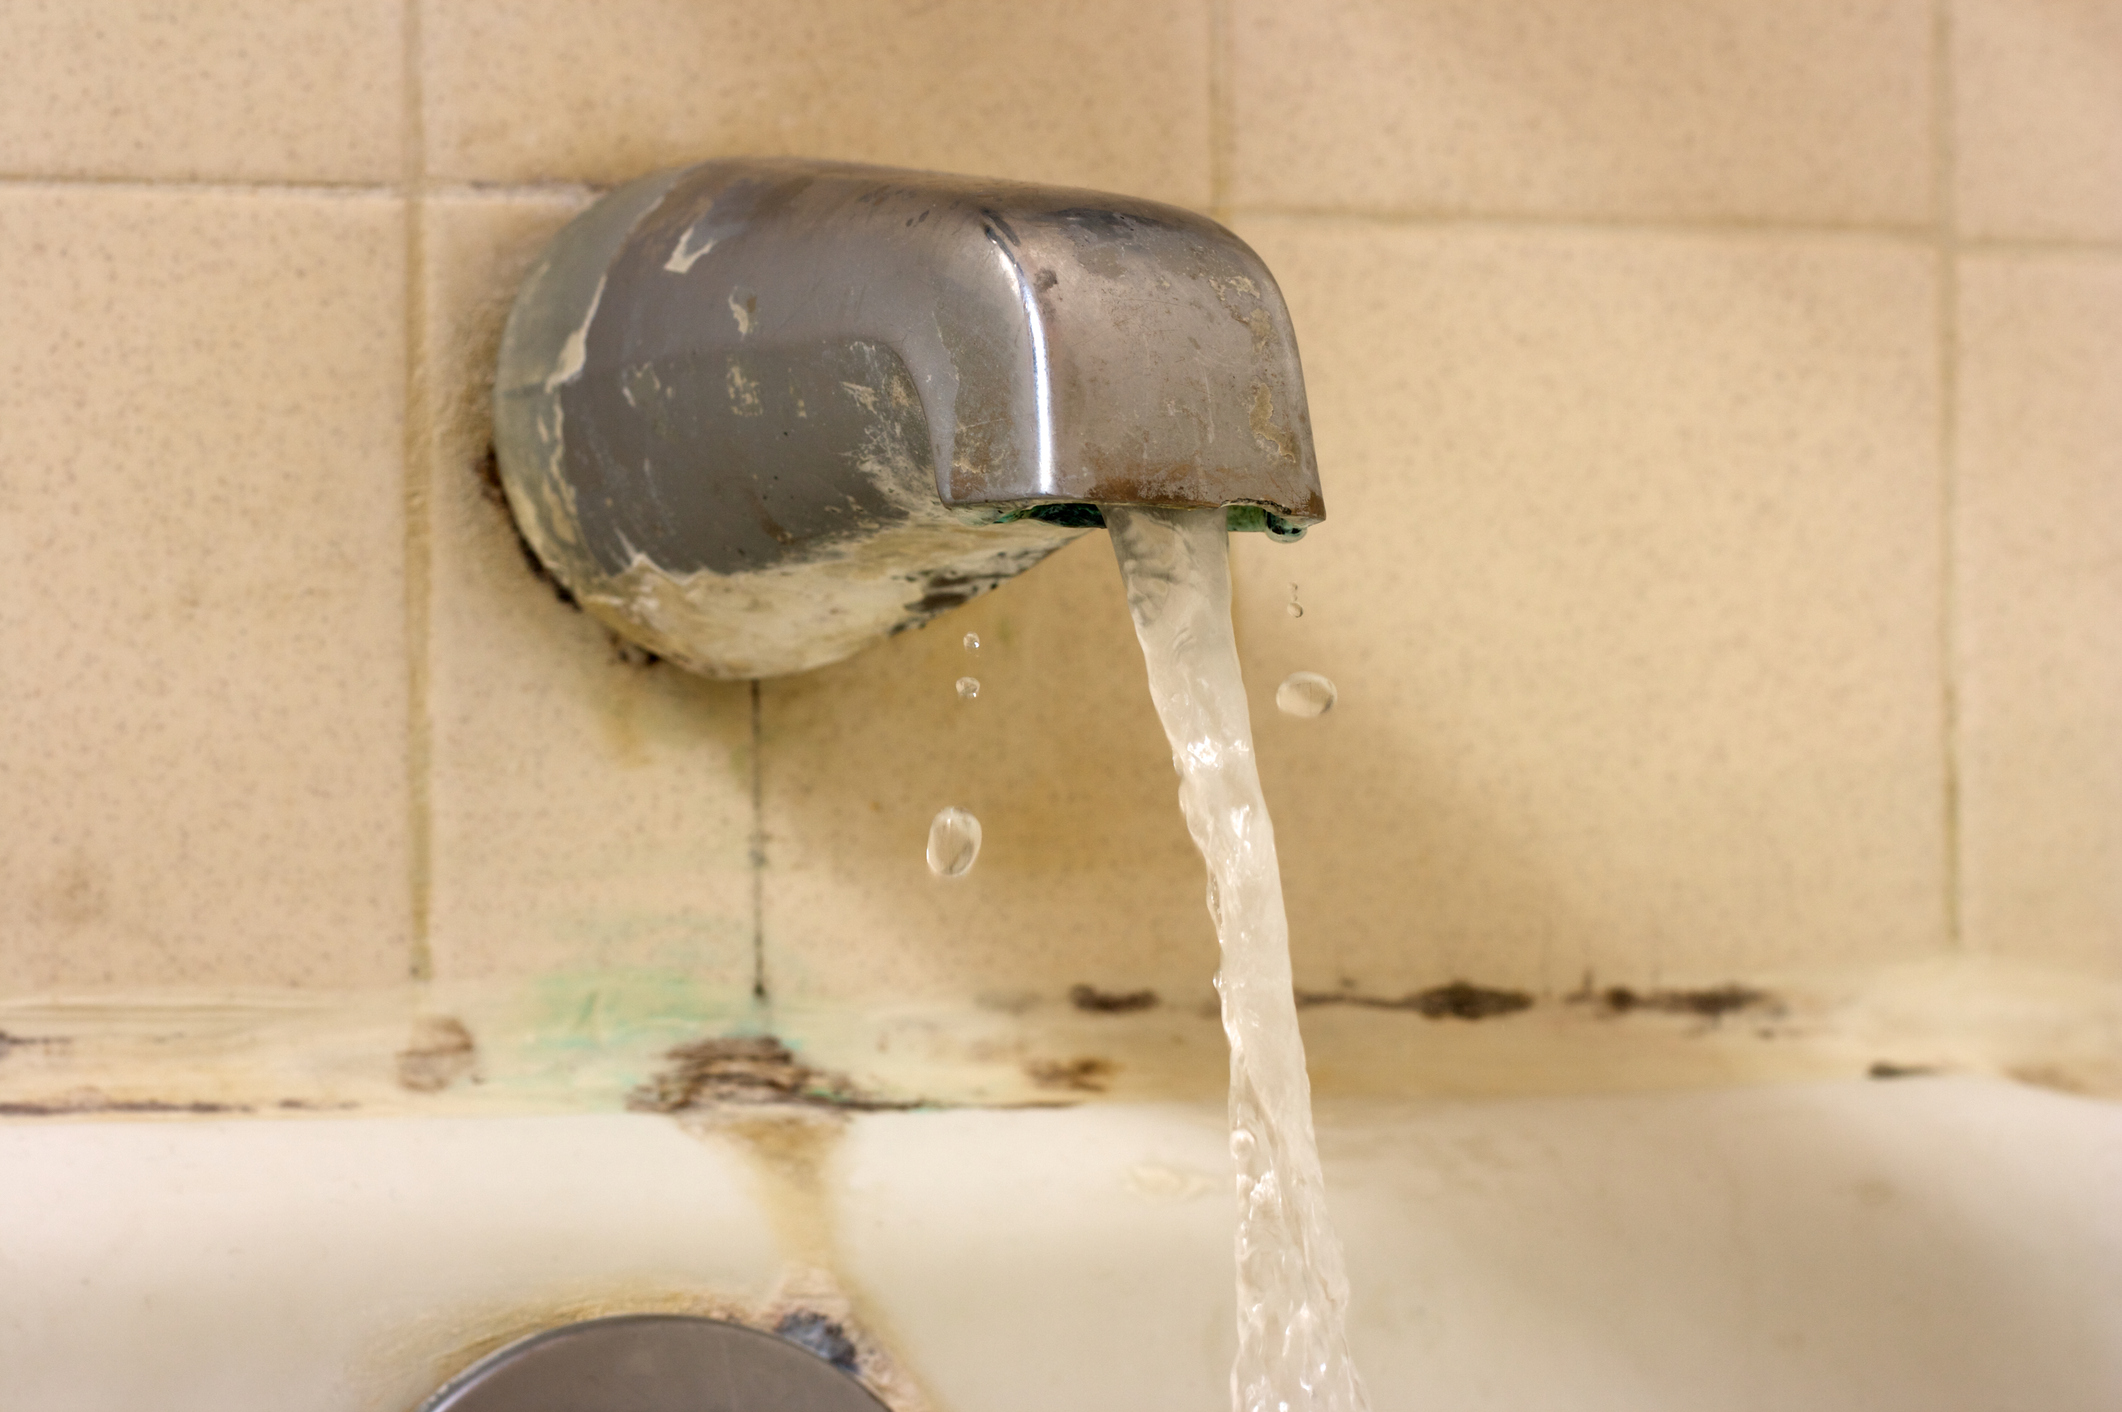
x=749 y=1070
x=822 y=1335
x=442 y=1051
x=2051 y=1076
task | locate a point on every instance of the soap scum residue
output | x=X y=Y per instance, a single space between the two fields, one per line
x=795 y=616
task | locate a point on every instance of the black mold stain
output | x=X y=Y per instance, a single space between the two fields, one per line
x=1456 y=1000
x=31 y=1041
x=750 y=1070
x=630 y=653
x=93 y=1102
x=1080 y=1075
x=1068 y=515
x=1710 y=1002
x=633 y=654
x=809 y=1329
x=1111 y=1002
x=942 y=592
x=490 y=483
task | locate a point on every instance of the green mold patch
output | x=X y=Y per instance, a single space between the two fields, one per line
x=626 y=1009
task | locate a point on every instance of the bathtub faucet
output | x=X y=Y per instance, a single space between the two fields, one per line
x=756 y=414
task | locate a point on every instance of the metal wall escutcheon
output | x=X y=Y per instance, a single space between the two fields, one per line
x=653 y=1363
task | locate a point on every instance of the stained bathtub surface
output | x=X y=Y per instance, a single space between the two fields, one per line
x=1933 y=1244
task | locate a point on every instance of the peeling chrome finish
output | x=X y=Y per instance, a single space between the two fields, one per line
x=756 y=414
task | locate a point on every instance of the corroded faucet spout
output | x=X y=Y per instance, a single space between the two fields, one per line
x=724 y=381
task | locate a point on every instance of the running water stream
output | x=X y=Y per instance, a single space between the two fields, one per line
x=1292 y=1292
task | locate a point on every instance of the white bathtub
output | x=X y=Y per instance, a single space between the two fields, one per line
x=1922 y=1244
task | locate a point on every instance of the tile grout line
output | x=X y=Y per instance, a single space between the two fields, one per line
x=1920 y=232
x=203 y=185
x=1219 y=109
x=1220 y=206
x=1948 y=220
x=2033 y=245
x=418 y=547
x=519 y=190
x=228 y=186
x=758 y=846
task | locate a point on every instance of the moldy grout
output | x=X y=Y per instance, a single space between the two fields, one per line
x=420 y=961
x=1946 y=206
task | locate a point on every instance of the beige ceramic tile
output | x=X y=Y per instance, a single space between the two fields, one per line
x=201 y=590
x=2037 y=131
x=1085 y=874
x=1814 y=111
x=592 y=817
x=1111 y=94
x=228 y=90
x=2040 y=604
x=1630 y=585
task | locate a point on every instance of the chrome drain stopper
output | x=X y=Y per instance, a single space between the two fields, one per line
x=653 y=1363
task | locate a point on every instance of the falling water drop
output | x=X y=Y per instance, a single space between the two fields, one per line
x=972 y=642
x=953 y=843
x=968 y=688
x=1296 y=609
x=1305 y=694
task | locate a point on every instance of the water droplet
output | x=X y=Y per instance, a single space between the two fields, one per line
x=1305 y=694
x=968 y=688
x=953 y=843
x=1296 y=609
x=972 y=642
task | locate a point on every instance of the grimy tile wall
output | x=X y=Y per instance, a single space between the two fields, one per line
x=1719 y=406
